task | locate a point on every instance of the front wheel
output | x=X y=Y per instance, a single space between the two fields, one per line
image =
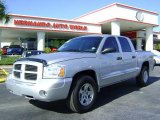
x=83 y=95
x=142 y=79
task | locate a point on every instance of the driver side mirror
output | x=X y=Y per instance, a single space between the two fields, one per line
x=108 y=50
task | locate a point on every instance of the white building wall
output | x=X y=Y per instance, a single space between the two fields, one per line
x=149 y=38
x=130 y=14
x=115 y=28
x=118 y=11
x=8 y=42
x=91 y=28
x=5 y=44
x=100 y=15
x=139 y=37
x=41 y=41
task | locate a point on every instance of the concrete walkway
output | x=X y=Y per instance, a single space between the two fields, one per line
x=6 y=66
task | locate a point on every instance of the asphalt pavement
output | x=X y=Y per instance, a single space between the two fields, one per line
x=123 y=101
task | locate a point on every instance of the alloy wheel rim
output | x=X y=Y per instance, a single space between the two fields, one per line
x=86 y=94
x=145 y=76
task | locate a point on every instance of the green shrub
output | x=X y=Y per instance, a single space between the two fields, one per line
x=56 y=43
x=8 y=60
x=1 y=52
x=62 y=42
x=47 y=50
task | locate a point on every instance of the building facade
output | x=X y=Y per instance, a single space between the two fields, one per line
x=117 y=19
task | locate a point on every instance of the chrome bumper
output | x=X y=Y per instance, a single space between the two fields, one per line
x=44 y=90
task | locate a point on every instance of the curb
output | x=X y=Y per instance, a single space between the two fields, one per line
x=2 y=80
x=6 y=73
x=6 y=66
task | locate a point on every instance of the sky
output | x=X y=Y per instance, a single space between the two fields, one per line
x=69 y=9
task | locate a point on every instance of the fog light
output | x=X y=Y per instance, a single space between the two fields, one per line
x=43 y=93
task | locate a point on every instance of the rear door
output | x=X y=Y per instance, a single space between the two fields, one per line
x=129 y=65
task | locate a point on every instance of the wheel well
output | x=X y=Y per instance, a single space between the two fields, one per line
x=146 y=64
x=91 y=73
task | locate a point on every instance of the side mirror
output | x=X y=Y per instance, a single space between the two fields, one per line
x=108 y=50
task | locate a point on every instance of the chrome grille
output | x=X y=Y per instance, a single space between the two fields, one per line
x=25 y=72
x=16 y=74
x=17 y=67
x=30 y=76
x=31 y=68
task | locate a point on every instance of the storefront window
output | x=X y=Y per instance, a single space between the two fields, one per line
x=29 y=44
x=54 y=42
x=156 y=42
x=156 y=45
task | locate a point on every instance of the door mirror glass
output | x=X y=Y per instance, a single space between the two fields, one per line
x=108 y=50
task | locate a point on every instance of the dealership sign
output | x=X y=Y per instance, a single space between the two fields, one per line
x=55 y=25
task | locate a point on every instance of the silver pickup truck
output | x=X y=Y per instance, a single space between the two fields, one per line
x=80 y=68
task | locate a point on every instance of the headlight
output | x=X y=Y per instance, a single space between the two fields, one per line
x=54 y=71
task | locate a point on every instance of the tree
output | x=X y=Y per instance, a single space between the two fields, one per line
x=3 y=15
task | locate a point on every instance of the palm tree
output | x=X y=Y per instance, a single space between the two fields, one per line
x=3 y=15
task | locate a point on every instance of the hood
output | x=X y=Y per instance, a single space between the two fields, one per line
x=62 y=56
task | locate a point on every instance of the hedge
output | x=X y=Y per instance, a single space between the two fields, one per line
x=8 y=60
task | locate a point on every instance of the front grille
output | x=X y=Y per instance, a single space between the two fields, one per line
x=31 y=68
x=30 y=76
x=17 y=74
x=17 y=67
x=25 y=72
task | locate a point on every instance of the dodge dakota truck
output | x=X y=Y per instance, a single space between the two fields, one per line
x=79 y=69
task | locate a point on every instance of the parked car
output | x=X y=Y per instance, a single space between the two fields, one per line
x=78 y=71
x=53 y=48
x=156 y=57
x=31 y=53
x=4 y=50
x=15 y=50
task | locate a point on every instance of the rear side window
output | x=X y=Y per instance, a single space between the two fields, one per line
x=124 y=44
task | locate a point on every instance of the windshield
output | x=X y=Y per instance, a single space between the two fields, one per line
x=81 y=44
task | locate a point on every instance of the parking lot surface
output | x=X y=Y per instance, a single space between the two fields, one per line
x=123 y=101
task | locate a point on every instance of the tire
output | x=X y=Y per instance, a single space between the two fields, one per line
x=83 y=94
x=143 y=77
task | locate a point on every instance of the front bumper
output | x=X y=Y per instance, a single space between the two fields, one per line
x=43 y=90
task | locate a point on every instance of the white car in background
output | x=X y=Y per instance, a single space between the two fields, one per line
x=156 y=57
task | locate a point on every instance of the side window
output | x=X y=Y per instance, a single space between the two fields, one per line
x=111 y=43
x=124 y=44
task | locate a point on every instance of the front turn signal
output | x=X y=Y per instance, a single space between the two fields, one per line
x=62 y=72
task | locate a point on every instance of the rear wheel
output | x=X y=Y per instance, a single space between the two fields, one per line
x=142 y=79
x=83 y=95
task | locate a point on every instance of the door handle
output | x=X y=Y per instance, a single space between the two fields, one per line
x=133 y=57
x=119 y=58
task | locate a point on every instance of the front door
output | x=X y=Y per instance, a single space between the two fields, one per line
x=110 y=63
